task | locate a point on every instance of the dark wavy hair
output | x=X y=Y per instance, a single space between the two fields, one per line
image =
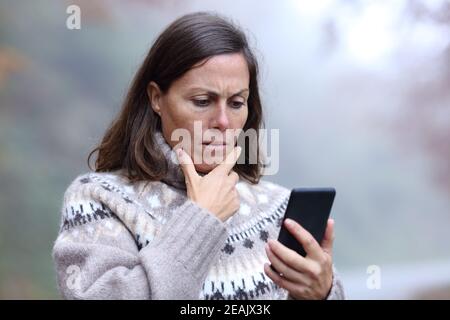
x=129 y=141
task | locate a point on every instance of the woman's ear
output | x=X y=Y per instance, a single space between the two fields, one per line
x=154 y=96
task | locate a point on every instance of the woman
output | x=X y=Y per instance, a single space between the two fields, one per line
x=152 y=223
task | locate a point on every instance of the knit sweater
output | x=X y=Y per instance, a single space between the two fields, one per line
x=147 y=240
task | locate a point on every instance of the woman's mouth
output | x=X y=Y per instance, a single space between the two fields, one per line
x=215 y=145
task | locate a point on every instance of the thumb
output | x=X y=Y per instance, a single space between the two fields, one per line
x=328 y=239
x=187 y=166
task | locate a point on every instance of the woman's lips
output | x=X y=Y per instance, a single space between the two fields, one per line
x=215 y=145
x=214 y=142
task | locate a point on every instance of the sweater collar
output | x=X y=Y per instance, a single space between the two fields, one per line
x=174 y=175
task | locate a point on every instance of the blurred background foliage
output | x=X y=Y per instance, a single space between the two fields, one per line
x=360 y=91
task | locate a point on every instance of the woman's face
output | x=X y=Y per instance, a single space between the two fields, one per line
x=212 y=96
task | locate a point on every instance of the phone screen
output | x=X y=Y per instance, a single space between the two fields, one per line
x=311 y=208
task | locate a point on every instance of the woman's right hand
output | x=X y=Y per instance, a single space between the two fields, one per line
x=215 y=191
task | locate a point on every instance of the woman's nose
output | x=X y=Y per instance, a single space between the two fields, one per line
x=220 y=118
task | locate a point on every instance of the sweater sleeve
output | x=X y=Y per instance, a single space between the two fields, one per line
x=336 y=290
x=100 y=259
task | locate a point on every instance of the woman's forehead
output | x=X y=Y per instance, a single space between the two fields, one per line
x=223 y=73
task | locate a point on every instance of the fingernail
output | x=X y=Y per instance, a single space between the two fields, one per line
x=289 y=222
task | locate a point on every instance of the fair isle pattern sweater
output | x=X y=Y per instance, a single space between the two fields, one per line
x=147 y=240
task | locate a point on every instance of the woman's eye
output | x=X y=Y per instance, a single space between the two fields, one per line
x=237 y=104
x=201 y=102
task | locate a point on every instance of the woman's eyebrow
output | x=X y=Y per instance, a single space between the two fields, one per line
x=216 y=94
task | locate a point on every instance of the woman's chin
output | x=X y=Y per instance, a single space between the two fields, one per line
x=205 y=168
x=210 y=160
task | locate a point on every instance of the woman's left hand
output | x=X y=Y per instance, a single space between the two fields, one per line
x=307 y=277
